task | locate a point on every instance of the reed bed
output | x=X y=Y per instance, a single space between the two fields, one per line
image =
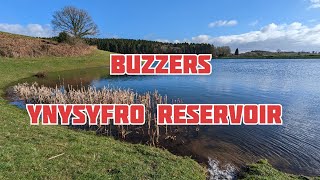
x=149 y=133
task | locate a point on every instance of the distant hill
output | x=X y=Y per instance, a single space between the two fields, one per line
x=13 y=45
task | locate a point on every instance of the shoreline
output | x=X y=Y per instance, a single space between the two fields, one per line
x=7 y=81
x=271 y=57
x=26 y=149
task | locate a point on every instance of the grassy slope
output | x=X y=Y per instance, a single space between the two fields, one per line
x=263 y=170
x=16 y=35
x=25 y=150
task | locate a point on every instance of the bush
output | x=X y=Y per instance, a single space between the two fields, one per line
x=64 y=37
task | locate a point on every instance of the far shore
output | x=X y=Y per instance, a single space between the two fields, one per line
x=271 y=57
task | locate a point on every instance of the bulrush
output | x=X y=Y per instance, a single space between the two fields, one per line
x=150 y=132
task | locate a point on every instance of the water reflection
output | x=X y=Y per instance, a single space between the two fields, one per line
x=293 y=147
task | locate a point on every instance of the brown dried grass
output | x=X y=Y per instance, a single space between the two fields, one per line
x=16 y=46
x=150 y=132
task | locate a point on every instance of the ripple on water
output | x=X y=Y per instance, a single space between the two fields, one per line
x=293 y=147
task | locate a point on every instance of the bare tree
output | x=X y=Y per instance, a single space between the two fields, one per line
x=74 y=21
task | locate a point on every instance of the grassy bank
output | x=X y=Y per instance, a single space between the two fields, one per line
x=51 y=152
x=263 y=170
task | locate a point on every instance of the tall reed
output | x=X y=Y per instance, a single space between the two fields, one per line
x=150 y=132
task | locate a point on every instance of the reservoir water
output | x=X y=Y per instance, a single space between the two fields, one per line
x=293 y=147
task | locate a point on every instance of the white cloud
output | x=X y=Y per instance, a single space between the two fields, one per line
x=314 y=4
x=223 y=23
x=254 y=23
x=294 y=36
x=36 y=30
x=172 y=41
x=312 y=20
x=163 y=40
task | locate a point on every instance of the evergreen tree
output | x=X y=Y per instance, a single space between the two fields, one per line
x=129 y=46
x=236 y=52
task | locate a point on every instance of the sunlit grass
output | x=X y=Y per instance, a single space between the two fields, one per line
x=27 y=152
x=262 y=170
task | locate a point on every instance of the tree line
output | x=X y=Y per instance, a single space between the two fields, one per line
x=75 y=24
x=131 y=46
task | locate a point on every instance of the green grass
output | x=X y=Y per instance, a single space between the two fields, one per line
x=25 y=150
x=262 y=170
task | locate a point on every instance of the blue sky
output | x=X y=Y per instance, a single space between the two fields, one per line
x=246 y=24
